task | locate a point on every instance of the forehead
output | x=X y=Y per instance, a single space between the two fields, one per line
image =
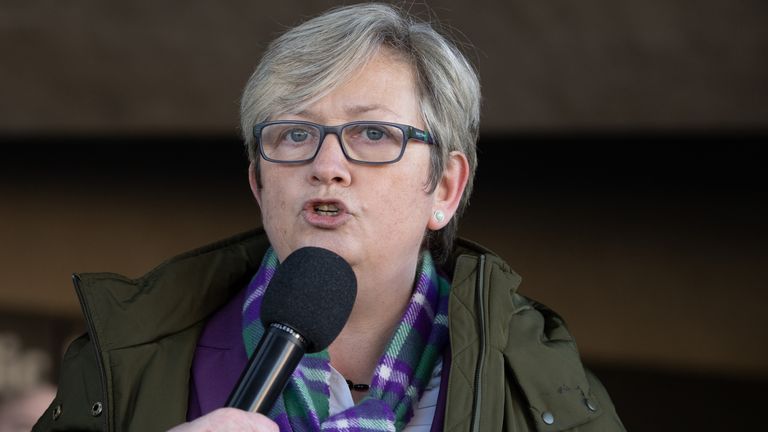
x=383 y=86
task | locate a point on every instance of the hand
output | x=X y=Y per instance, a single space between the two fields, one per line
x=229 y=420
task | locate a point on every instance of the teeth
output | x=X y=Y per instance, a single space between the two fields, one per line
x=327 y=209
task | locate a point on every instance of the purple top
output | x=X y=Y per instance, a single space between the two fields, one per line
x=220 y=359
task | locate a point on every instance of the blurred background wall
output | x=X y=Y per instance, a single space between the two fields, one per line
x=622 y=171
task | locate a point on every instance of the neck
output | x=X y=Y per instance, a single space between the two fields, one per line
x=382 y=298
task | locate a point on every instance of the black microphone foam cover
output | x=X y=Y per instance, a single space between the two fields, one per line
x=312 y=291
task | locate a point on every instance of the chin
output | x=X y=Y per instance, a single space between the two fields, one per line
x=333 y=244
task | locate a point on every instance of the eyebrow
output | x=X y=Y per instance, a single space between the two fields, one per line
x=362 y=109
x=350 y=110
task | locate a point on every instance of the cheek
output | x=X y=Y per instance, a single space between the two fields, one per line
x=276 y=221
x=274 y=189
x=405 y=200
x=274 y=206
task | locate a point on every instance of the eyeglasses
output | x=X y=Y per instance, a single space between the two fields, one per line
x=365 y=142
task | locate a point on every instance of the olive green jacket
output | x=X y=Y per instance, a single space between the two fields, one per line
x=514 y=366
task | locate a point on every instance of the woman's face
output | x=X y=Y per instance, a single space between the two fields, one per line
x=367 y=214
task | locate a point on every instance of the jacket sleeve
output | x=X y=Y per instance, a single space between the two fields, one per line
x=560 y=394
x=609 y=420
x=79 y=404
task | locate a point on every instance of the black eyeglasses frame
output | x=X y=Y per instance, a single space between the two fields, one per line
x=409 y=133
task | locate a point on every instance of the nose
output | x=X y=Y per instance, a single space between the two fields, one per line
x=330 y=165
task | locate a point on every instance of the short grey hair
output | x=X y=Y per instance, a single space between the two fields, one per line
x=310 y=60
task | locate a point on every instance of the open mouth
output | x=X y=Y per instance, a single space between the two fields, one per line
x=327 y=209
x=326 y=213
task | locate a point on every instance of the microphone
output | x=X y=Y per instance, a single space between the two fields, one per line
x=306 y=305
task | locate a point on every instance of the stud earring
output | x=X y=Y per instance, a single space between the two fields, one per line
x=439 y=215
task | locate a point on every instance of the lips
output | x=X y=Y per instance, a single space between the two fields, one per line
x=325 y=207
x=326 y=213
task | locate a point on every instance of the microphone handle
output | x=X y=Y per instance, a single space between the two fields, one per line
x=273 y=361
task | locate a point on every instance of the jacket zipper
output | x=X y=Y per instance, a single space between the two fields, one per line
x=96 y=346
x=479 y=297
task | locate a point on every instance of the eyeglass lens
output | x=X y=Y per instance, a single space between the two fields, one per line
x=362 y=142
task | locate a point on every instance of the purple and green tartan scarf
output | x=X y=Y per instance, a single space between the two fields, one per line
x=399 y=378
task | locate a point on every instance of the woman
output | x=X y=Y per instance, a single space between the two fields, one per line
x=361 y=127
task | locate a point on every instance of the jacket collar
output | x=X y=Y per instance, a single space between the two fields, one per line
x=176 y=295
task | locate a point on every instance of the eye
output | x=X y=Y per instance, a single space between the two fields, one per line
x=297 y=135
x=374 y=134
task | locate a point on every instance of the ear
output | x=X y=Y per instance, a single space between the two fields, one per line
x=254 y=182
x=450 y=189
